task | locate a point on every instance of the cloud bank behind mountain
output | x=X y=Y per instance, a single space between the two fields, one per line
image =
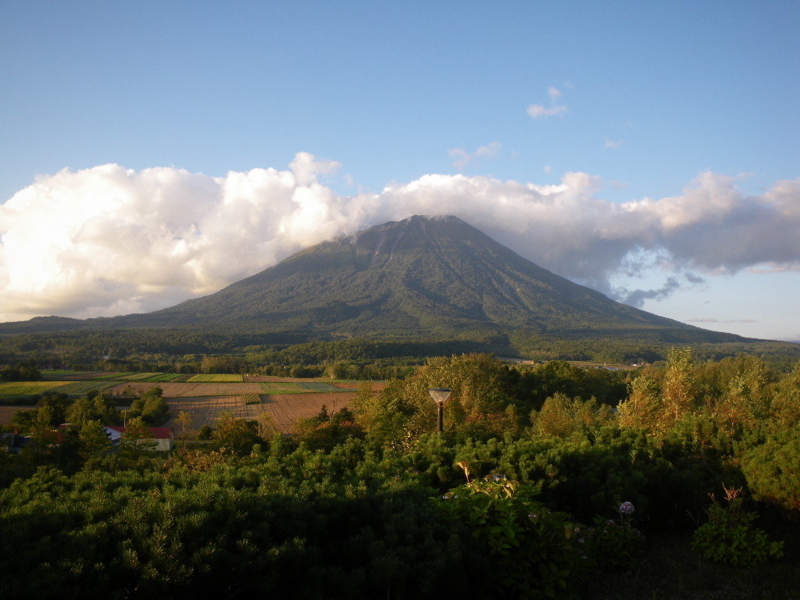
x=107 y=240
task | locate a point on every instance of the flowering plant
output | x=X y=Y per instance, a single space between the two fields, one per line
x=617 y=544
x=626 y=508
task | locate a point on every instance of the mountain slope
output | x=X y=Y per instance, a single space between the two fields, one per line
x=421 y=276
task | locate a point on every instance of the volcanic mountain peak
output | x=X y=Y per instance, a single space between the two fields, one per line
x=433 y=277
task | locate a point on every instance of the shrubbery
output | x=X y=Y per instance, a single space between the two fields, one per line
x=370 y=501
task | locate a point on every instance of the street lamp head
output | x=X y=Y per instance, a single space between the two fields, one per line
x=439 y=395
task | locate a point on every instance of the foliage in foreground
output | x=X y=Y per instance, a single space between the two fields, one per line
x=344 y=509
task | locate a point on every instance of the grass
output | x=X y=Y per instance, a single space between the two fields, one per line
x=216 y=379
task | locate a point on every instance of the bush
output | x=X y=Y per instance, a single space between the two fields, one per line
x=772 y=469
x=534 y=552
x=729 y=537
x=617 y=545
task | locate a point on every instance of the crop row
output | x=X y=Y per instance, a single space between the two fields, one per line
x=28 y=388
x=79 y=388
x=216 y=379
x=321 y=386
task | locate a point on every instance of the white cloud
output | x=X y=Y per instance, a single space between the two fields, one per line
x=613 y=144
x=553 y=94
x=537 y=111
x=107 y=240
x=464 y=158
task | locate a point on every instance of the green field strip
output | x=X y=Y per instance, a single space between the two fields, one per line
x=79 y=388
x=29 y=388
x=281 y=388
x=139 y=376
x=111 y=375
x=216 y=379
x=58 y=374
x=321 y=386
x=164 y=377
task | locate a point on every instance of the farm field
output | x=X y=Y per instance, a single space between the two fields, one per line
x=27 y=388
x=6 y=412
x=283 y=409
x=80 y=388
x=286 y=409
x=205 y=410
x=283 y=399
x=50 y=374
x=167 y=377
x=188 y=390
x=216 y=379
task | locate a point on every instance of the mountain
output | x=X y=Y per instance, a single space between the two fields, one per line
x=423 y=277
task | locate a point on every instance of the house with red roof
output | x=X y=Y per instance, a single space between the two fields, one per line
x=163 y=436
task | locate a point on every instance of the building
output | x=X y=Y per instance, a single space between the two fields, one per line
x=163 y=436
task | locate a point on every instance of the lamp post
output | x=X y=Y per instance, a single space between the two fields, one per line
x=439 y=396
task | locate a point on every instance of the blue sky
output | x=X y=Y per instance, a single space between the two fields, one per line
x=683 y=113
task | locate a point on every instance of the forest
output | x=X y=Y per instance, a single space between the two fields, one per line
x=680 y=479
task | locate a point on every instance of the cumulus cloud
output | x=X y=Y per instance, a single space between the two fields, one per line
x=464 y=158
x=108 y=240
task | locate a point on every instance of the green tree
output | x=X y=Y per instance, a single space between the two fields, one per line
x=643 y=408
x=678 y=390
x=562 y=416
x=137 y=438
x=235 y=435
x=94 y=441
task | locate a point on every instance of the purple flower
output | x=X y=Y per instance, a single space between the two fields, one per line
x=626 y=508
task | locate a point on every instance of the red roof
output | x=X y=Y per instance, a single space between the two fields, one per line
x=159 y=433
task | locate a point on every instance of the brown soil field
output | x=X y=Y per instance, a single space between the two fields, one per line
x=283 y=409
x=270 y=379
x=205 y=410
x=286 y=409
x=6 y=412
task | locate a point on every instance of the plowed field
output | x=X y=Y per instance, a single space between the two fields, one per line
x=285 y=409
x=6 y=412
x=205 y=410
